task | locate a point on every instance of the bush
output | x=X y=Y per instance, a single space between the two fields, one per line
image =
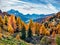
x=11 y=41
x=45 y=41
x=58 y=40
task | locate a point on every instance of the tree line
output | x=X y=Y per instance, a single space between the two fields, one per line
x=14 y=24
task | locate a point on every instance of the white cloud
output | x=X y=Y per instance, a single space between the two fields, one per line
x=26 y=7
x=50 y=6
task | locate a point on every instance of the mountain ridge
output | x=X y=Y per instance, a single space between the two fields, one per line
x=27 y=17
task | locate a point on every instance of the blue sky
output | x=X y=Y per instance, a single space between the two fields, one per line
x=31 y=6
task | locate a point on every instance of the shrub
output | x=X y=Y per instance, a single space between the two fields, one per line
x=11 y=41
x=45 y=41
x=58 y=40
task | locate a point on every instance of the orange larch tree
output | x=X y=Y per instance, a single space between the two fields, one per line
x=12 y=22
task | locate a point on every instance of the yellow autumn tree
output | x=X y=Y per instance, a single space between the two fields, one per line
x=19 y=23
x=58 y=28
x=18 y=37
x=37 y=29
x=43 y=30
x=10 y=29
x=53 y=34
x=0 y=29
x=1 y=35
x=47 y=32
x=5 y=19
x=31 y=23
x=1 y=21
x=26 y=26
x=12 y=22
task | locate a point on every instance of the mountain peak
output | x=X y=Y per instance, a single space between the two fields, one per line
x=14 y=11
x=0 y=11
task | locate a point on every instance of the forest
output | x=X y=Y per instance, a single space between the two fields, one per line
x=14 y=31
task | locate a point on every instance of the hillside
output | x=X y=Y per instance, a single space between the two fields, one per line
x=12 y=27
x=55 y=19
x=3 y=13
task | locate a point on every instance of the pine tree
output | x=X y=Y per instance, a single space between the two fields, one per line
x=29 y=30
x=23 y=32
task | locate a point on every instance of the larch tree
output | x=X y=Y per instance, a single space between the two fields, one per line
x=19 y=24
x=58 y=28
x=18 y=37
x=0 y=29
x=53 y=34
x=1 y=21
x=1 y=35
x=12 y=22
x=37 y=29
x=43 y=30
x=5 y=19
x=10 y=29
x=18 y=21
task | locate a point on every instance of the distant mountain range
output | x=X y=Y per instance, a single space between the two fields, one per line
x=17 y=14
x=27 y=17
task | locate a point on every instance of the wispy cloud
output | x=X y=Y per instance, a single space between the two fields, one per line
x=27 y=7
